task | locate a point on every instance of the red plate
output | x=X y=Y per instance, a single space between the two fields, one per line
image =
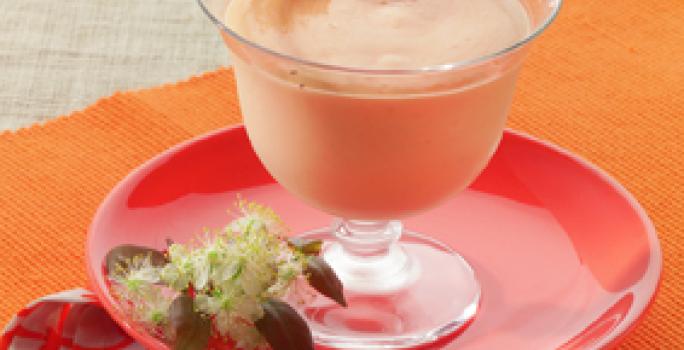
x=566 y=257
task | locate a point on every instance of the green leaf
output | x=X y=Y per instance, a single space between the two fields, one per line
x=306 y=246
x=120 y=256
x=192 y=330
x=322 y=277
x=283 y=328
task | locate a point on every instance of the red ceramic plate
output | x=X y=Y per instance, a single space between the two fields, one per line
x=566 y=257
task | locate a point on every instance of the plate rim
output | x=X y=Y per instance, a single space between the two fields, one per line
x=615 y=337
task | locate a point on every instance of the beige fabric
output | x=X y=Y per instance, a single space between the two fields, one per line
x=57 y=56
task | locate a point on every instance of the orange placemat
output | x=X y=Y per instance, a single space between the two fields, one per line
x=607 y=82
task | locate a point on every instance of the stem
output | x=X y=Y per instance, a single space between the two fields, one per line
x=368 y=239
x=368 y=257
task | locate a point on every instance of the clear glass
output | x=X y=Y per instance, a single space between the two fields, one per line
x=372 y=146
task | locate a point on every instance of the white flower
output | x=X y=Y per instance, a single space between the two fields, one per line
x=248 y=309
x=148 y=304
x=207 y=304
x=201 y=266
x=147 y=274
x=155 y=306
x=255 y=218
x=244 y=333
x=247 y=224
x=231 y=272
x=138 y=275
x=177 y=252
x=174 y=276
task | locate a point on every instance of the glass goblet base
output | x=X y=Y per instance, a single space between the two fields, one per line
x=403 y=289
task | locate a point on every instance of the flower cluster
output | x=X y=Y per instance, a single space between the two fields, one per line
x=230 y=273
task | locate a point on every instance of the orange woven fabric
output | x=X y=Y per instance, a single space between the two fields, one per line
x=606 y=81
